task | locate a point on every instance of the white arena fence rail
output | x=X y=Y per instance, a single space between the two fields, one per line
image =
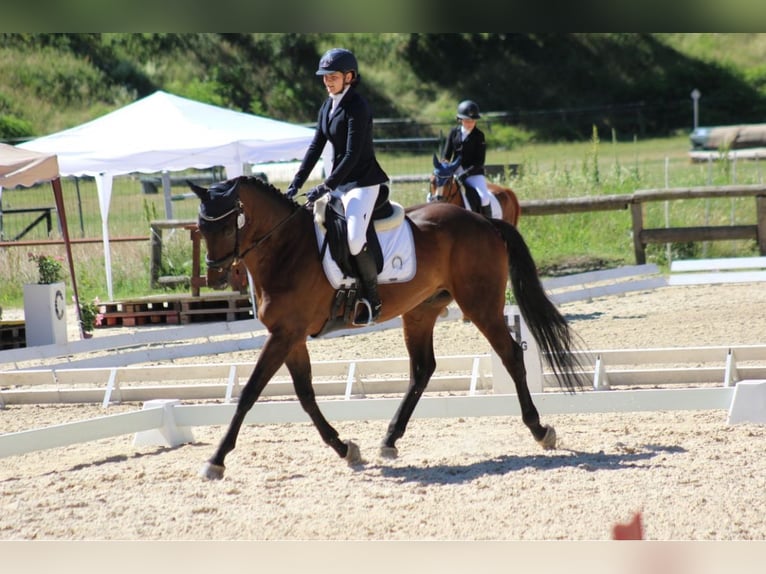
x=723 y=270
x=722 y=365
x=167 y=422
x=471 y=374
x=470 y=388
x=165 y=344
x=170 y=343
x=603 y=283
x=347 y=379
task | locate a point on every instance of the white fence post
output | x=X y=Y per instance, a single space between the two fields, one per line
x=232 y=385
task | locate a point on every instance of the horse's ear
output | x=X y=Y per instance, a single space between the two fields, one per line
x=201 y=192
x=437 y=163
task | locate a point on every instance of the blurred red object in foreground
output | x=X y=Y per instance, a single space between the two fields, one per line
x=633 y=530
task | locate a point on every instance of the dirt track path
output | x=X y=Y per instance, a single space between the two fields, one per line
x=692 y=476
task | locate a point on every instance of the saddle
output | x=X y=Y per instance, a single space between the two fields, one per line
x=334 y=221
x=330 y=215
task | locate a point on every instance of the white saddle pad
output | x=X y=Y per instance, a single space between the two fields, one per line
x=398 y=248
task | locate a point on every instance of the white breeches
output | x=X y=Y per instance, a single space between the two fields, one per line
x=359 y=203
x=480 y=183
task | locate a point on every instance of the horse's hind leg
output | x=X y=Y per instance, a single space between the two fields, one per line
x=299 y=365
x=418 y=335
x=512 y=357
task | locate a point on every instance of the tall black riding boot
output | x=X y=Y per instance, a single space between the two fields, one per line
x=368 y=309
x=486 y=211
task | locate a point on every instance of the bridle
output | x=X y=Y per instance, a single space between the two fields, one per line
x=235 y=255
x=441 y=182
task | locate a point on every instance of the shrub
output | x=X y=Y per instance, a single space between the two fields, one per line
x=48 y=267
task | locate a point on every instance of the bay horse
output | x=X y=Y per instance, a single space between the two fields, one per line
x=444 y=186
x=460 y=255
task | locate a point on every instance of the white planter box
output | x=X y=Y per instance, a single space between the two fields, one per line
x=45 y=314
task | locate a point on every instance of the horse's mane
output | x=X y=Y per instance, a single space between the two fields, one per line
x=265 y=185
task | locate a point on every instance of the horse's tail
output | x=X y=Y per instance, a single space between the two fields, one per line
x=551 y=331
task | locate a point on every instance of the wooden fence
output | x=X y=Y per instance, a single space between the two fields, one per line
x=643 y=236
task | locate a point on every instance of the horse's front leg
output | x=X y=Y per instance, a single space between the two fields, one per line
x=299 y=365
x=271 y=358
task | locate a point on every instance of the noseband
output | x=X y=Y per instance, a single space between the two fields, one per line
x=226 y=260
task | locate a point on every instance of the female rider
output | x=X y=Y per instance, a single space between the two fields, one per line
x=467 y=141
x=345 y=120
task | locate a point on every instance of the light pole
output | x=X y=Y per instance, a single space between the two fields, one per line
x=696 y=98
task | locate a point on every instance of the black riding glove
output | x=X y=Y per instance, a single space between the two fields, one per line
x=462 y=177
x=291 y=192
x=317 y=192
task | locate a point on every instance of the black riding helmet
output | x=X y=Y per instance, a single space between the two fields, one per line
x=338 y=60
x=468 y=110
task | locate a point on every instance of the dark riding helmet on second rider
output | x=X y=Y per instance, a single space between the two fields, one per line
x=338 y=60
x=468 y=110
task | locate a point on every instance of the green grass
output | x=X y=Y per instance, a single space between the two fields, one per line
x=597 y=167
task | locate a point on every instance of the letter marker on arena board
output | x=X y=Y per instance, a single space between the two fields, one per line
x=501 y=380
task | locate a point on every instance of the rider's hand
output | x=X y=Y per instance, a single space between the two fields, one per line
x=317 y=192
x=291 y=192
x=462 y=177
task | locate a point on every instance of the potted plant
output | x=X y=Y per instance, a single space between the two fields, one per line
x=90 y=316
x=44 y=303
x=49 y=268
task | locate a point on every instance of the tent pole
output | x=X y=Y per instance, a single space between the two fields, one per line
x=58 y=194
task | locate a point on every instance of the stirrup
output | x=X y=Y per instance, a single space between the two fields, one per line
x=364 y=315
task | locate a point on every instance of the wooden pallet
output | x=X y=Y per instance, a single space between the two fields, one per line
x=13 y=335
x=225 y=307
x=174 y=310
x=139 y=312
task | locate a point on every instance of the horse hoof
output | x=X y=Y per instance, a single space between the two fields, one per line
x=212 y=471
x=353 y=455
x=389 y=452
x=548 y=442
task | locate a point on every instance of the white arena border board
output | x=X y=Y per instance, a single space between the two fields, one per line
x=180 y=419
x=724 y=270
x=167 y=422
x=168 y=343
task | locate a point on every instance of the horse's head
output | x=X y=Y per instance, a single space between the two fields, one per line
x=442 y=180
x=220 y=219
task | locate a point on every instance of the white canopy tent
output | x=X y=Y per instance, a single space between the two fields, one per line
x=26 y=168
x=163 y=132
